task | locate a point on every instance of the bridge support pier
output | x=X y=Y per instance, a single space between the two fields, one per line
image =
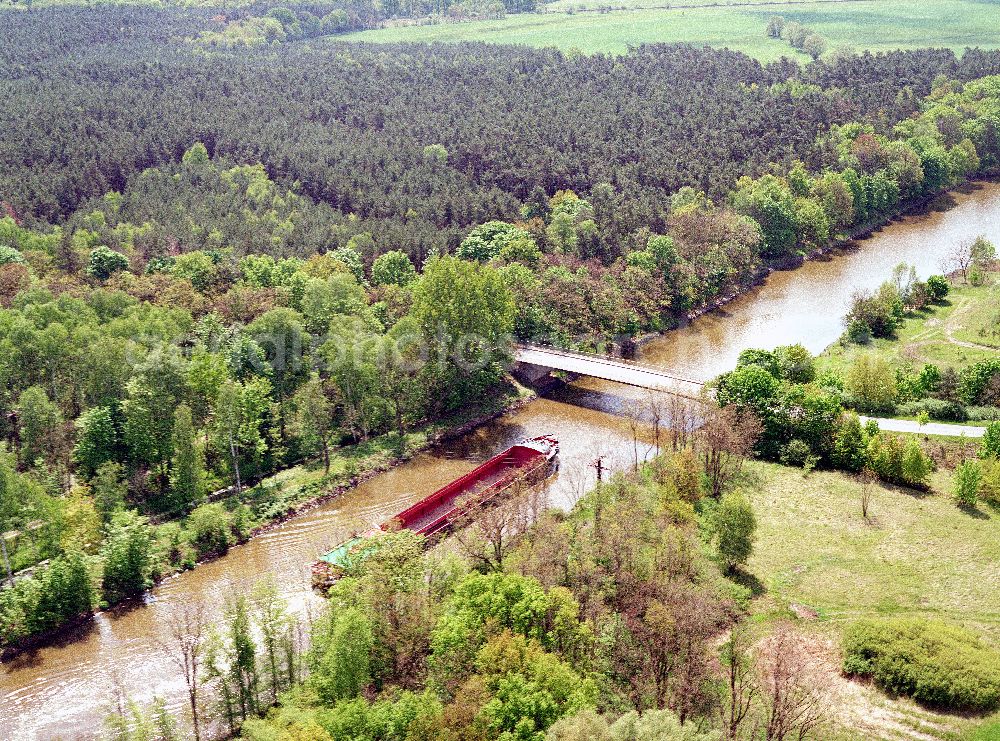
x=532 y=375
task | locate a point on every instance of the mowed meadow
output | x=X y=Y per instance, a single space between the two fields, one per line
x=821 y=564
x=850 y=24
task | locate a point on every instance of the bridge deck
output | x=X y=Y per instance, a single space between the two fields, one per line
x=608 y=369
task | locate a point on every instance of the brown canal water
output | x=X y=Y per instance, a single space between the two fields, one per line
x=63 y=690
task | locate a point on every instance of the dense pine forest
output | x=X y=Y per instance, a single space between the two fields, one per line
x=94 y=99
x=219 y=258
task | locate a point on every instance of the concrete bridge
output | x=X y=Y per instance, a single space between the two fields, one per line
x=542 y=360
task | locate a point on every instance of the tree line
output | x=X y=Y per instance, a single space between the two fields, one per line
x=658 y=119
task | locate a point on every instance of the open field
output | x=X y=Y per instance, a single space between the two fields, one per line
x=858 y=24
x=920 y=556
x=964 y=330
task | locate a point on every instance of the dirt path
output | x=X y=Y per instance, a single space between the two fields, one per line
x=858 y=705
x=951 y=325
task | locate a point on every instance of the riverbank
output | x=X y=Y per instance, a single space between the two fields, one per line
x=299 y=489
x=843 y=245
x=961 y=330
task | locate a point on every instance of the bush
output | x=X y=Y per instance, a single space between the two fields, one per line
x=850 y=443
x=989 y=485
x=796 y=364
x=210 y=526
x=795 y=453
x=54 y=594
x=939 y=409
x=983 y=414
x=858 y=332
x=968 y=477
x=898 y=462
x=882 y=311
x=127 y=553
x=935 y=663
x=990 y=447
x=735 y=527
x=980 y=382
x=871 y=383
x=938 y=287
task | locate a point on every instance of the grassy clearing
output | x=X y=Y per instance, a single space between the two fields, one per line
x=964 y=330
x=920 y=555
x=861 y=24
x=817 y=561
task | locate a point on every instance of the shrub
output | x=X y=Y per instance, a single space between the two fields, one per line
x=968 y=477
x=989 y=485
x=765 y=359
x=946 y=411
x=990 y=447
x=979 y=382
x=916 y=465
x=858 y=332
x=935 y=663
x=734 y=526
x=54 y=594
x=849 y=446
x=796 y=364
x=893 y=460
x=795 y=453
x=983 y=414
x=938 y=287
x=882 y=310
x=127 y=553
x=871 y=381
x=211 y=529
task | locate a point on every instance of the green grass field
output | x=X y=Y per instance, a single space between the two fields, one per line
x=964 y=330
x=857 y=24
x=821 y=564
x=921 y=555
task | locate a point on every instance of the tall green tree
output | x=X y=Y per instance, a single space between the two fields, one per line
x=40 y=423
x=283 y=337
x=109 y=489
x=157 y=387
x=735 y=527
x=97 y=440
x=314 y=418
x=127 y=555
x=238 y=419
x=342 y=658
x=466 y=313
x=187 y=468
x=393 y=267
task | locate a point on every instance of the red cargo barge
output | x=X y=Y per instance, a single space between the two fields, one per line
x=435 y=514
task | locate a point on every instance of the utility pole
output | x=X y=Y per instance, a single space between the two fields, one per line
x=599 y=465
